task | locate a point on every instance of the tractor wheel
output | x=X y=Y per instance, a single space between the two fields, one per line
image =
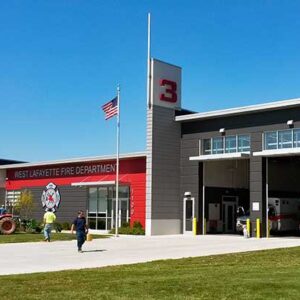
x=7 y=226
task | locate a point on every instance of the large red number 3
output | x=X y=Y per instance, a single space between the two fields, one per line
x=170 y=94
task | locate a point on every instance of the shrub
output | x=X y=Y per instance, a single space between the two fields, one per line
x=57 y=227
x=125 y=224
x=29 y=225
x=39 y=228
x=137 y=224
x=137 y=229
x=25 y=204
x=66 y=226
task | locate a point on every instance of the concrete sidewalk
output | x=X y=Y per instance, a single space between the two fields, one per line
x=63 y=255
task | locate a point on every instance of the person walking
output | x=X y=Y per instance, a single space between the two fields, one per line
x=49 y=218
x=79 y=224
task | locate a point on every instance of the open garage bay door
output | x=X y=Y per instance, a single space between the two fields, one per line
x=226 y=187
x=284 y=195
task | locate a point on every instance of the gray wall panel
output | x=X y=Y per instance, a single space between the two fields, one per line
x=163 y=165
x=72 y=200
x=2 y=196
x=267 y=120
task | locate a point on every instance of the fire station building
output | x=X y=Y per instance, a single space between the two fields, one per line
x=205 y=166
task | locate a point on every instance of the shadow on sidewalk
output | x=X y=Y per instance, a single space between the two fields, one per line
x=96 y=250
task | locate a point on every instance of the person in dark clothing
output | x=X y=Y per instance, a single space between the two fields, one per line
x=79 y=224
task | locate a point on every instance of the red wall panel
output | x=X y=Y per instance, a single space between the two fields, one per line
x=132 y=172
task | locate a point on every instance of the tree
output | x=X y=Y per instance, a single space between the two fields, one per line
x=25 y=204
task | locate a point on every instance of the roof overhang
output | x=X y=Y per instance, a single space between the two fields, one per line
x=94 y=183
x=224 y=156
x=101 y=180
x=278 y=152
x=75 y=160
x=239 y=110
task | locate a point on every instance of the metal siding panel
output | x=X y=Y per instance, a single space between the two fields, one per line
x=2 y=196
x=72 y=199
x=268 y=120
x=165 y=164
x=255 y=186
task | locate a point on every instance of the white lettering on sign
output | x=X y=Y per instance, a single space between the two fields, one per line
x=65 y=171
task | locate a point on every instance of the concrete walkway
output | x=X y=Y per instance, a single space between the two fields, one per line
x=63 y=255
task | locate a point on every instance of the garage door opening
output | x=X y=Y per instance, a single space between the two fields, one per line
x=284 y=196
x=225 y=190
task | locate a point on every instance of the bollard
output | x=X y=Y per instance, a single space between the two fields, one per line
x=258 y=228
x=89 y=237
x=195 y=226
x=245 y=232
x=268 y=229
x=248 y=226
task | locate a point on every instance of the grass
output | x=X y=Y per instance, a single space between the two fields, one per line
x=20 y=237
x=270 y=274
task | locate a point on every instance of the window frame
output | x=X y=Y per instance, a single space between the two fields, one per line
x=212 y=151
x=293 y=142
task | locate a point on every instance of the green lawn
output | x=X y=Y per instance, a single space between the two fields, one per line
x=272 y=274
x=38 y=237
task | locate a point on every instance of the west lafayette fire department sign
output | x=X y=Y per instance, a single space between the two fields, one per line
x=51 y=197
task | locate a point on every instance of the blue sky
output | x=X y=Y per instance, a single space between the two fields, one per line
x=60 y=60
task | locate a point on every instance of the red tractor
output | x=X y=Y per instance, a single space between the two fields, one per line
x=7 y=224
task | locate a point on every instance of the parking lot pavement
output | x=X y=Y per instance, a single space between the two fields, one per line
x=63 y=255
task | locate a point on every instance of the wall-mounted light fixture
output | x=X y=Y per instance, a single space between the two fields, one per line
x=222 y=131
x=290 y=123
x=187 y=194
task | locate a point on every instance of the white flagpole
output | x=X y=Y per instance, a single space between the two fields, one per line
x=149 y=62
x=117 y=171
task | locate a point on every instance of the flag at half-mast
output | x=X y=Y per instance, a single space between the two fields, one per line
x=110 y=108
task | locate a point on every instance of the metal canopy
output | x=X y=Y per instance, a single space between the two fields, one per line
x=223 y=156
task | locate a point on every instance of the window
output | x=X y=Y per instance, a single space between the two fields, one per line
x=228 y=144
x=102 y=198
x=12 y=197
x=243 y=143
x=217 y=145
x=207 y=146
x=282 y=139
x=285 y=139
x=102 y=205
x=271 y=140
x=296 y=138
x=93 y=200
x=123 y=191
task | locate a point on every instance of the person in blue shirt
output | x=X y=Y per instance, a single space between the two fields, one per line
x=79 y=224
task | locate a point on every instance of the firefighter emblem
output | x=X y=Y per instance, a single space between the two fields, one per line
x=51 y=197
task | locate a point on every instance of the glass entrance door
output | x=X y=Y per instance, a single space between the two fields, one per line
x=229 y=213
x=98 y=208
x=102 y=205
x=188 y=215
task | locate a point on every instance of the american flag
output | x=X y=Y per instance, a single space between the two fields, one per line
x=110 y=108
